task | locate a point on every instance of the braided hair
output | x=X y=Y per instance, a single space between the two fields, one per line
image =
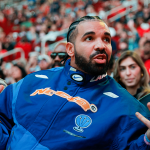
x=73 y=31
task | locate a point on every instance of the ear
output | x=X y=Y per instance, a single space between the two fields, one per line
x=70 y=49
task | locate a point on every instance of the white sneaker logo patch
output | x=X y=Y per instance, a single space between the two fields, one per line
x=77 y=77
x=110 y=94
x=41 y=76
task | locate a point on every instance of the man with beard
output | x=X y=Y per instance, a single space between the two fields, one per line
x=59 y=54
x=77 y=106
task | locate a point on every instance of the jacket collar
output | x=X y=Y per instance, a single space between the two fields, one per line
x=80 y=77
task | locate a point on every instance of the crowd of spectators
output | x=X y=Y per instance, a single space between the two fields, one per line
x=25 y=23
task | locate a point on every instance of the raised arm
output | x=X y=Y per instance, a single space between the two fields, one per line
x=147 y=123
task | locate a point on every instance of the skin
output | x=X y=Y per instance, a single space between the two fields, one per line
x=92 y=36
x=59 y=48
x=88 y=47
x=16 y=73
x=88 y=50
x=146 y=49
x=1 y=88
x=130 y=74
x=43 y=64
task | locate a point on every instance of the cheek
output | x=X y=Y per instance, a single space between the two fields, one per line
x=109 y=51
x=137 y=74
x=18 y=73
x=84 y=50
x=121 y=74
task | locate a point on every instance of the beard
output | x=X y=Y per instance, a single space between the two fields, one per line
x=88 y=66
x=58 y=64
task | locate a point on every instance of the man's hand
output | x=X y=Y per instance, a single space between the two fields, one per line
x=144 y=120
x=1 y=88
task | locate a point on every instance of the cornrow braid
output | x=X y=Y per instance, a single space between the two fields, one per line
x=72 y=31
x=73 y=26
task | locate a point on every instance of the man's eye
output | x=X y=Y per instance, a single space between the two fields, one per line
x=88 y=38
x=107 y=39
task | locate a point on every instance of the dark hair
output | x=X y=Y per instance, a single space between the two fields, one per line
x=146 y=42
x=73 y=31
x=22 y=70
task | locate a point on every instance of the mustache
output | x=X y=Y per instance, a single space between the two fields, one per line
x=57 y=63
x=99 y=52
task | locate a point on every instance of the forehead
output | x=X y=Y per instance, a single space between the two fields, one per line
x=127 y=61
x=92 y=25
x=16 y=68
x=60 y=48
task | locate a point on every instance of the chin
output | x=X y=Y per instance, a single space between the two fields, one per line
x=130 y=85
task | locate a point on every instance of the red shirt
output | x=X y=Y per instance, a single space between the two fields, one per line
x=3 y=51
x=141 y=31
x=26 y=46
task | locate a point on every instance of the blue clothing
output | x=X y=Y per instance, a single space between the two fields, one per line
x=63 y=108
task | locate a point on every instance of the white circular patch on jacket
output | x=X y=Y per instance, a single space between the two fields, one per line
x=77 y=77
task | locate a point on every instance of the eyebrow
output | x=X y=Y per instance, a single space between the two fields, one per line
x=107 y=33
x=91 y=32
x=87 y=33
x=129 y=65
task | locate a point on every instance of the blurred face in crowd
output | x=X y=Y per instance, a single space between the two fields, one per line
x=130 y=73
x=58 y=54
x=146 y=10
x=123 y=35
x=33 y=61
x=16 y=73
x=7 y=69
x=92 y=49
x=123 y=46
x=139 y=20
x=146 y=51
x=119 y=26
x=44 y=64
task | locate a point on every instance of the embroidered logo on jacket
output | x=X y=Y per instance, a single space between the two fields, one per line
x=80 y=101
x=77 y=77
x=82 y=121
x=98 y=77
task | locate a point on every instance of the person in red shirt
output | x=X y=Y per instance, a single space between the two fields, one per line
x=26 y=47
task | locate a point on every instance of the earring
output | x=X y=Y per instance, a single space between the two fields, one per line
x=142 y=74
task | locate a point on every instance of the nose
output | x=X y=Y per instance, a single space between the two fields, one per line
x=57 y=58
x=128 y=71
x=99 y=45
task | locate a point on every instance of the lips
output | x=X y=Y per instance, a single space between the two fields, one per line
x=100 y=58
x=130 y=80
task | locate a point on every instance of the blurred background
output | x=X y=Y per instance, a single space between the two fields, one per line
x=31 y=29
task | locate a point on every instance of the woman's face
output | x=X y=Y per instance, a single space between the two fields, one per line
x=130 y=73
x=16 y=73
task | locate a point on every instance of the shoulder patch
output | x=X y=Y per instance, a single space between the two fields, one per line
x=110 y=94
x=41 y=76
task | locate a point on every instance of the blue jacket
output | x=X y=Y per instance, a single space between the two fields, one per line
x=64 y=108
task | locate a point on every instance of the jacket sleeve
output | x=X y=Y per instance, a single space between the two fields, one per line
x=6 y=119
x=139 y=144
x=131 y=138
